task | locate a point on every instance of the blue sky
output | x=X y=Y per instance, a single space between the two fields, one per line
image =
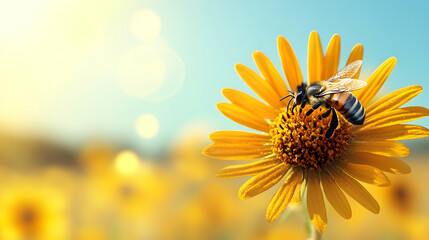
x=212 y=36
x=84 y=100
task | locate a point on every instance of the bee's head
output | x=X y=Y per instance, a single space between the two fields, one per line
x=300 y=93
x=314 y=89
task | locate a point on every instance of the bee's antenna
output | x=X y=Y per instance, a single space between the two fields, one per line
x=290 y=95
x=290 y=91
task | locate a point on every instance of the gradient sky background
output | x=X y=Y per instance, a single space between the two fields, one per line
x=59 y=59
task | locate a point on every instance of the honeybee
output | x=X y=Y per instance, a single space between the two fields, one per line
x=335 y=94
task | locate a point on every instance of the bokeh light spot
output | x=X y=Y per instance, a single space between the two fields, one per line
x=145 y=25
x=127 y=162
x=141 y=71
x=147 y=126
x=173 y=79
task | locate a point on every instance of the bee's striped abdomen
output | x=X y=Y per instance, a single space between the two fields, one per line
x=349 y=106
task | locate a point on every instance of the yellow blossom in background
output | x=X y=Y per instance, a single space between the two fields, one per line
x=202 y=207
x=403 y=215
x=403 y=197
x=140 y=193
x=406 y=202
x=125 y=198
x=33 y=209
x=294 y=145
x=208 y=212
x=187 y=161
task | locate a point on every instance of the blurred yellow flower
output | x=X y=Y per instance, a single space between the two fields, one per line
x=402 y=196
x=32 y=209
x=294 y=144
x=405 y=211
x=189 y=165
x=205 y=212
x=126 y=202
x=200 y=206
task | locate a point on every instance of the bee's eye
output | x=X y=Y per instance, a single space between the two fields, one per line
x=298 y=98
x=314 y=89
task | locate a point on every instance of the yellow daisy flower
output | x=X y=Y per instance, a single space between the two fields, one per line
x=33 y=209
x=294 y=146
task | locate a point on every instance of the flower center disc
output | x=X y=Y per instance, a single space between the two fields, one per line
x=299 y=140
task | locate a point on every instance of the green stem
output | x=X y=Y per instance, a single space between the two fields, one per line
x=315 y=235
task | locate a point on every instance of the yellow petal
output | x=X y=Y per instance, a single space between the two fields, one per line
x=335 y=196
x=243 y=117
x=375 y=81
x=263 y=181
x=356 y=54
x=393 y=100
x=332 y=57
x=387 y=164
x=239 y=137
x=385 y=148
x=270 y=73
x=393 y=132
x=296 y=198
x=396 y=116
x=284 y=195
x=315 y=203
x=259 y=85
x=249 y=169
x=249 y=103
x=289 y=63
x=354 y=189
x=365 y=173
x=315 y=58
x=237 y=151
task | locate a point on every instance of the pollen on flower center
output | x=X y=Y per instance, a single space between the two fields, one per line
x=299 y=140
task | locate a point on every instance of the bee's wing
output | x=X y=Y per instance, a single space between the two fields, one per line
x=347 y=72
x=345 y=85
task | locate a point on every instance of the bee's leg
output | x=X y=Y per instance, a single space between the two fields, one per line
x=332 y=125
x=302 y=105
x=327 y=113
x=316 y=106
x=288 y=104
